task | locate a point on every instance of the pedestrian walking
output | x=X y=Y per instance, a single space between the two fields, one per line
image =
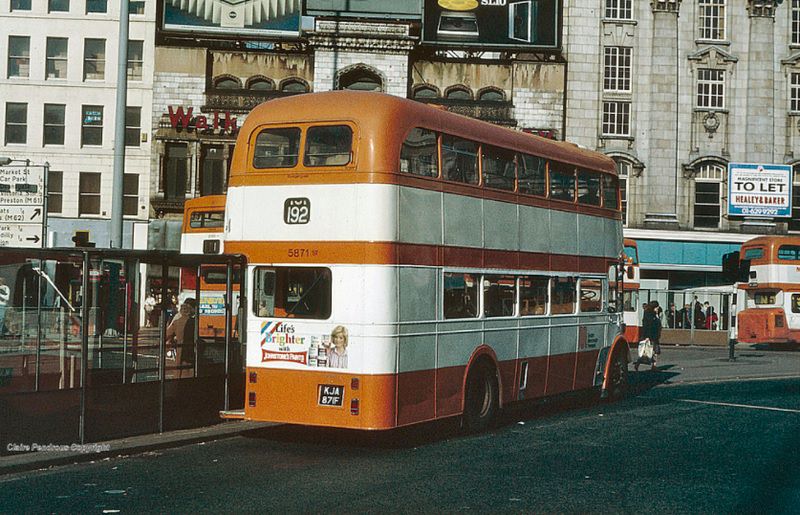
x=5 y=295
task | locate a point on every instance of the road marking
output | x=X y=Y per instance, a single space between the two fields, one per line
x=768 y=408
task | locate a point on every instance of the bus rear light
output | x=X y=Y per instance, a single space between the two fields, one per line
x=354 y=406
x=251 y=399
x=354 y=383
x=253 y=377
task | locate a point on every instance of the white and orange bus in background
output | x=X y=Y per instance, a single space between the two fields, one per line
x=202 y=233
x=632 y=310
x=407 y=264
x=771 y=313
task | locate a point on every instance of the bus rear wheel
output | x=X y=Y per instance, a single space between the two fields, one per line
x=617 y=386
x=480 y=398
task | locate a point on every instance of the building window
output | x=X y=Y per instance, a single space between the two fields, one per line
x=794 y=93
x=425 y=91
x=294 y=86
x=212 y=177
x=89 y=194
x=795 y=22
x=260 y=84
x=135 y=59
x=55 y=191
x=623 y=172
x=708 y=196
x=136 y=7
x=458 y=93
x=19 y=56
x=91 y=125
x=617 y=69
x=227 y=82
x=619 y=9
x=491 y=94
x=54 y=6
x=16 y=122
x=616 y=118
x=54 y=123
x=360 y=79
x=20 y=5
x=94 y=59
x=130 y=194
x=712 y=19
x=56 y=58
x=794 y=221
x=175 y=171
x=133 y=126
x=710 y=89
x=97 y=6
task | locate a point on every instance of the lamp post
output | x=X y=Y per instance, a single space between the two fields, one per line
x=21 y=213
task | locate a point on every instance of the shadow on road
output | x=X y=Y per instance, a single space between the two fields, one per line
x=792 y=347
x=436 y=431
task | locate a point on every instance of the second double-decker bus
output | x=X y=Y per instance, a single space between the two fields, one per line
x=202 y=233
x=771 y=293
x=632 y=310
x=407 y=264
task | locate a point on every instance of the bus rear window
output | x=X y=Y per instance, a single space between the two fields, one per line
x=796 y=303
x=290 y=292
x=207 y=219
x=754 y=253
x=789 y=252
x=329 y=145
x=277 y=148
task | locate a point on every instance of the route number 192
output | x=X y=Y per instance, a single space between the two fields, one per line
x=296 y=211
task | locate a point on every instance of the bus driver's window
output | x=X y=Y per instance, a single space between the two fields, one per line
x=264 y=295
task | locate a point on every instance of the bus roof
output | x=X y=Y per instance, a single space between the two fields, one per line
x=388 y=119
x=771 y=244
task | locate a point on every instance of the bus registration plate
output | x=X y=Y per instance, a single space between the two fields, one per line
x=331 y=395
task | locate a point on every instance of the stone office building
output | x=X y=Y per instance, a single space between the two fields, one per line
x=674 y=91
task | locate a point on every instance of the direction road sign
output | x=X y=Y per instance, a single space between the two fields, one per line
x=21 y=214
x=21 y=235
x=22 y=196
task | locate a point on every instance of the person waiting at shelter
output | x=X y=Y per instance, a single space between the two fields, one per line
x=180 y=336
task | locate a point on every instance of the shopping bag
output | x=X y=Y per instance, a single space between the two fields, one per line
x=646 y=349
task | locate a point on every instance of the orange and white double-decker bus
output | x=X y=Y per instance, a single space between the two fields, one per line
x=632 y=311
x=407 y=264
x=771 y=311
x=202 y=233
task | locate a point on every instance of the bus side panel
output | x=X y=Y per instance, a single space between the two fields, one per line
x=561 y=365
x=534 y=347
x=535 y=234
x=420 y=216
x=499 y=221
x=463 y=221
x=416 y=381
x=564 y=237
x=591 y=337
x=501 y=336
x=453 y=352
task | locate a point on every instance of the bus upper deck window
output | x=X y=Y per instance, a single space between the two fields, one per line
x=610 y=192
x=207 y=219
x=588 y=188
x=754 y=253
x=329 y=145
x=459 y=160
x=277 y=148
x=499 y=169
x=532 y=175
x=796 y=303
x=789 y=252
x=562 y=184
x=419 y=154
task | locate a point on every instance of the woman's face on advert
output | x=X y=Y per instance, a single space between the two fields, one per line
x=338 y=340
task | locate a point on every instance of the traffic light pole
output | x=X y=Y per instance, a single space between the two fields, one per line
x=119 y=130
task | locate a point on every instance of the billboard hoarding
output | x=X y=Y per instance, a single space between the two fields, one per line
x=763 y=190
x=279 y=18
x=512 y=24
x=379 y=9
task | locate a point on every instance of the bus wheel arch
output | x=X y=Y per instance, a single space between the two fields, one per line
x=615 y=382
x=481 y=397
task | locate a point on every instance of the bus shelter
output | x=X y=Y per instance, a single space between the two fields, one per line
x=92 y=345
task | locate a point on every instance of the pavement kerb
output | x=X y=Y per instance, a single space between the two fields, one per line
x=27 y=461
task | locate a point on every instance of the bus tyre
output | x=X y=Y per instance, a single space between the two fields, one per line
x=617 y=386
x=480 y=398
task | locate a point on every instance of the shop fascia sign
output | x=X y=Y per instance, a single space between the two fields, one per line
x=180 y=118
